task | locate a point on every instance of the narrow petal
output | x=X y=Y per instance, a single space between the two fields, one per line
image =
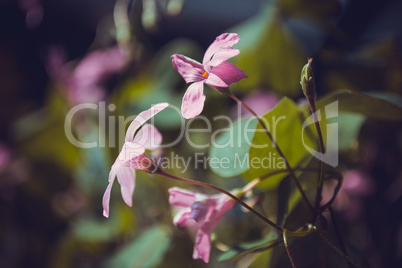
x=149 y=137
x=106 y=195
x=181 y=197
x=181 y=217
x=126 y=178
x=224 y=204
x=225 y=40
x=202 y=244
x=142 y=117
x=220 y=56
x=215 y=81
x=189 y=69
x=193 y=100
x=129 y=151
x=227 y=74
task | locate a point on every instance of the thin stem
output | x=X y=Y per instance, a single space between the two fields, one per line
x=291 y=171
x=285 y=242
x=337 y=232
x=322 y=151
x=343 y=255
x=163 y=173
x=328 y=205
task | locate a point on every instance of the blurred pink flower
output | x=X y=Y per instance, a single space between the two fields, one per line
x=260 y=101
x=83 y=83
x=5 y=156
x=33 y=12
x=214 y=71
x=350 y=199
x=201 y=210
x=132 y=155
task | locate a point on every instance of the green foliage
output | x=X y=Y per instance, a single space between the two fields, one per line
x=233 y=145
x=285 y=123
x=147 y=250
x=255 y=246
x=359 y=103
x=264 y=42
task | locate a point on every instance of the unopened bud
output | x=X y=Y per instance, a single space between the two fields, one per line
x=307 y=81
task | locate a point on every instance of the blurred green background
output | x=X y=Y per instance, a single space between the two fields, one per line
x=57 y=54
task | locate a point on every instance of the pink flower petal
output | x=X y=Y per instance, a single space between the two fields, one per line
x=224 y=204
x=182 y=217
x=149 y=137
x=129 y=151
x=221 y=55
x=193 y=100
x=181 y=197
x=215 y=81
x=202 y=244
x=142 y=117
x=106 y=196
x=225 y=40
x=227 y=72
x=189 y=69
x=126 y=178
x=199 y=211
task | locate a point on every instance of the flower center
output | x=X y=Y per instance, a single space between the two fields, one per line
x=205 y=74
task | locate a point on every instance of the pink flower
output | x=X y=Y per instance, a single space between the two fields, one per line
x=202 y=209
x=261 y=101
x=84 y=82
x=132 y=155
x=350 y=199
x=214 y=71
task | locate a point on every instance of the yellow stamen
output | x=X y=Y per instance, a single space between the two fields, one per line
x=205 y=74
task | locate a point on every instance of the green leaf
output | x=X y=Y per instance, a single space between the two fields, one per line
x=359 y=103
x=269 y=52
x=248 y=247
x=349 y=126
x=145 y=251
x=285 y=123
x=283 y=200
x=230 y=150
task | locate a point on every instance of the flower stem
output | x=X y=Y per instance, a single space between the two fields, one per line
x=338 y=233
x=343 y=255
x=163 y=173
x=289 y=168
x=320 y=181
x=285 y=242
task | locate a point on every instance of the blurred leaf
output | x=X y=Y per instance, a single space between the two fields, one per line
x=283 y=200
x=263 y=259
x=145 y=251
x=358 y=103
x=232 y=147
x=93 y=230
x=101 y=230
x=349 y=126
x=42 y=134
x=285 y=123
x=248 y=247
x=270 y=55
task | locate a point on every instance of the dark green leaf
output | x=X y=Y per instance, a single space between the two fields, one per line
x=285 y=123
x=359 y=103
x=248 y=247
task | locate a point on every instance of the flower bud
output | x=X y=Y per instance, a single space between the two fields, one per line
x=307 y=81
